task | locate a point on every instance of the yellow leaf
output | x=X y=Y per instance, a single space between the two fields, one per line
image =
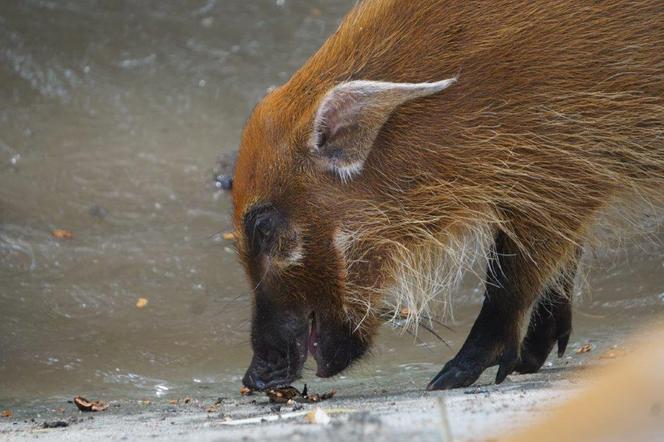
x=62 y=234
x=142 y=302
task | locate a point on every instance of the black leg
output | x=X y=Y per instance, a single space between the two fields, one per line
x=550 y=323
x=495 y=336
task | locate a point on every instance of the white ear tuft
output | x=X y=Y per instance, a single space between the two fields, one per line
x=351 y=115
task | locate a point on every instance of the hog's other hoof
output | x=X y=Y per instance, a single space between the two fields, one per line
x=463 y=372
x=550 y=324
x=533 y=355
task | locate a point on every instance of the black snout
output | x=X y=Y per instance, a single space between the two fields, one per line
x=270 y=373
x=279 y=339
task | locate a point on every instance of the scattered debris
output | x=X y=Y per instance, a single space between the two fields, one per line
x=142 y=302
x=246 y=391
x=321 y=397
x=215 y=407
x=229 y=236
x=584 y=348
x=173 y=402
x=6 y=413
x=281 y=416
x=62 y=234
x=282 y=395
x=86 y=405
x=144 y=402
x=268 y=418
x=55 y=424
x=318 y=416
x=291 y=394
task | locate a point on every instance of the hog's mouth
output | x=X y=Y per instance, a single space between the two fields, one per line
x=333 y=346
x=313 y=345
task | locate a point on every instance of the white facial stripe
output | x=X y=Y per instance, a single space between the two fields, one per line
x=346 y=173
x=296 y=255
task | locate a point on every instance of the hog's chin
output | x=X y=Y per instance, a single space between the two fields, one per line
x=333 y=346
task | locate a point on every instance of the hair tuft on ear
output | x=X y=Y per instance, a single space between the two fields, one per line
x=351 y=115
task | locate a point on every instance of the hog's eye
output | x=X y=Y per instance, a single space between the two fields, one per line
x=263 y=227
x=260 y=224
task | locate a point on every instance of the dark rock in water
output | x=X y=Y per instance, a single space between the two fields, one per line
x=224 y=182
x=98 y=212
x=223 y=172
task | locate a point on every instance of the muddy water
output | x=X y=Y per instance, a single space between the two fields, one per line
x=112 y=116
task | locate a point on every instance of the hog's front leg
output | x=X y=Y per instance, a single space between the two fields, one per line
x=495 y=335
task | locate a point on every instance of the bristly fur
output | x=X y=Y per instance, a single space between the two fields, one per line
x=557 y=120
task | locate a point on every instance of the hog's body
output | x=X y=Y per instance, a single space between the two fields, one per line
x=355 y=193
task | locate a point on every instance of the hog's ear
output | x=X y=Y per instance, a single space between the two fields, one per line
x=351 y=115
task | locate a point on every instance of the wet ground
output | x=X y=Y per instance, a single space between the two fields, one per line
x=390 y=415
x=112 y=117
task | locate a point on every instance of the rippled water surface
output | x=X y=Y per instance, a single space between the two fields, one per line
x=112 y=117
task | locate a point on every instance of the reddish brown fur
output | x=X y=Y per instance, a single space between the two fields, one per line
x=558 y=114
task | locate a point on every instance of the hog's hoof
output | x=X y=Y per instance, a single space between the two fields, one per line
x=453 y=375
x=463 y=372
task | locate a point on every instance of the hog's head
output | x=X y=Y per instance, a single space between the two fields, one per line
x=306 y=159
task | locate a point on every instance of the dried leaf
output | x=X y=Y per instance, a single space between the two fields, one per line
x=173 y=402
x=246 y=391
x=142 y=302
x=86 y=405
x=584 y=348
x=62 y=234
x=282 y=395
x=215 y=407
x=328 y=395
x=6 y=413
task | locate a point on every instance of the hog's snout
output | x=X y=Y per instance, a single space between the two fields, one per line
x=279 y=339
x=263 y=374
